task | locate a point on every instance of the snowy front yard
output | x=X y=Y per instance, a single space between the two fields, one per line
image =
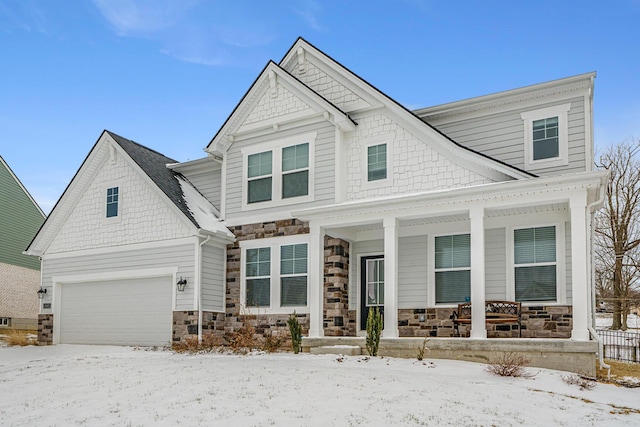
x=95 y=385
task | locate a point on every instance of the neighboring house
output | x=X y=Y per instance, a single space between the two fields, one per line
x=338 y=199
x=20 y=219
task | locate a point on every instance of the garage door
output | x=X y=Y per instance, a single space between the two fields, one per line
x=120 y=312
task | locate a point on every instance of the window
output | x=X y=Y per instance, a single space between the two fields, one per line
x=377 y=162
x=546 y=137
x=258 y=272
x=375 y=282
x=259 y=177
x=453 y=268
x=275 y=273
x=293 y=275
x=278 y=174
x=295 y=171
x=112 y=202
x=535 y=264
x=4 y=321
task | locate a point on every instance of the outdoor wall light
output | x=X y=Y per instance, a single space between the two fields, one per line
x=182 y=283
x=41 y=293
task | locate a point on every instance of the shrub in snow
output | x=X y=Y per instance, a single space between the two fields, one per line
x=582 y=382
x=509 y=365
x=422 y=349
x=296 y=333
x=374 y=329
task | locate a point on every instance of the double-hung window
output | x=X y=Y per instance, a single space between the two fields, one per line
x=275 y=273
x=278 y=174
x=535 y=264
x=453 y=268
x=546 y=137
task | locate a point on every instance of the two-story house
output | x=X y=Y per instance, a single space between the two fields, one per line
x=20 y=219
x=322 y=195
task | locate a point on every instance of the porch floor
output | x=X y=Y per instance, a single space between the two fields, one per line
x=560 y=354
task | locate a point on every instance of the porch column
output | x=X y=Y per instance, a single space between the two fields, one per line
x=316 y=280
x=390 y=278
x=580 y=284
x=478 y=325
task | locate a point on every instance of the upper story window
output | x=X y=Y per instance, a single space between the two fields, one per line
x=376 y=162
x=278 y=173
x=546 y=137
x=453 y=268
x=535 y=263
x=112 y=202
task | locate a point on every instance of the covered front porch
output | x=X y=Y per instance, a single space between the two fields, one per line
x=418 y=256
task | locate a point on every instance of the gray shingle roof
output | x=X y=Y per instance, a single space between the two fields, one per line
x=154 y=165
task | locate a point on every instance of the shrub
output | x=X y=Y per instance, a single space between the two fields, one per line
x=271 y=343
x=374 y=329
x=422 y=349
x=243 y=340
x=18 y=338
x=509 y=365
x=296 y=333
x=580 y=381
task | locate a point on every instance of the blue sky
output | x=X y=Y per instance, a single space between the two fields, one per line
x=167 y=73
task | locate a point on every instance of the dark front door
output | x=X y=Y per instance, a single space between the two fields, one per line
x=371 y=286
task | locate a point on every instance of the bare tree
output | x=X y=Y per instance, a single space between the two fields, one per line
x=618 y=230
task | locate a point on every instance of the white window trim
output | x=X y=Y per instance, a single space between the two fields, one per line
x=117 y=218
x=276 y=147
x=274 y=243
x=383 y=139
x=560 y=111
x=431 y=268
x=358 y=287
x=561 y=283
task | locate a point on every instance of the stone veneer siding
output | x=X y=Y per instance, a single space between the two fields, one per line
x=537 y=322
x=185 y=324
x=337 y=321
x=45 y=329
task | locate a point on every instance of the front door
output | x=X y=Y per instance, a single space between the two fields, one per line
x=371 y=286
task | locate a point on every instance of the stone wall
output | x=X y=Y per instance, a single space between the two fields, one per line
x=336 y=319
x=45 y=329
x=185 y=324
x=537 y=322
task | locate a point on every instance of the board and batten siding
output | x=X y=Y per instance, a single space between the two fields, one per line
x=181 y=256
x=324 y=182
x=501 y=135
x=567 y=247
x=412 y=272
x=212 y=279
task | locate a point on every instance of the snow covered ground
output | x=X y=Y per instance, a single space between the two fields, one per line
x=100 y=386
x=604 y=320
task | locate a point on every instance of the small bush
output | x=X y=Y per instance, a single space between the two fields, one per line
x=422 y=349
x=509 y=365
x=580 y=381
x=296 y=333
x=17 y=338
x=210 y=343
x=243 y=340
x=374 y=330
x=271 y=343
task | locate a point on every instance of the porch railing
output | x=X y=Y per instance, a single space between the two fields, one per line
x=621 y=345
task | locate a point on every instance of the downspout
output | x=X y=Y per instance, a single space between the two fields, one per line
x=200 y=290
x=592 y=294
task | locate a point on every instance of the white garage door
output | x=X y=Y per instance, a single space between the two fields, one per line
x=120 y=312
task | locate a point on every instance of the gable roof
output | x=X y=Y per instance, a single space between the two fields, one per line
x=413 y=119
x=20 y=218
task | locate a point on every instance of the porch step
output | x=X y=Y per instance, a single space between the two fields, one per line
x=346 y=350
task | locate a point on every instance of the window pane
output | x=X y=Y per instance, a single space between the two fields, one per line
x=293 y=259
x=545 y=244
x=377 y=162
x=258 y=262
x=453 y=286
x=112 y=202
x=453 y=251
x=258 y=291
x=545 y=138
x=259 y=190
x=259 y=164
x=295 y=157
x=375 y=282
x=545 y=149
x=293 y=291
x=295 y=184
x=537 y=283
x=533 y=245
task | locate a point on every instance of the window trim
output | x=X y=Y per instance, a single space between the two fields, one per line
x=431 y=255
x=117 y=218
x=366 y=184
x=560 y=111
x=276 y=147
x=561 y=287
x=275 y=243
